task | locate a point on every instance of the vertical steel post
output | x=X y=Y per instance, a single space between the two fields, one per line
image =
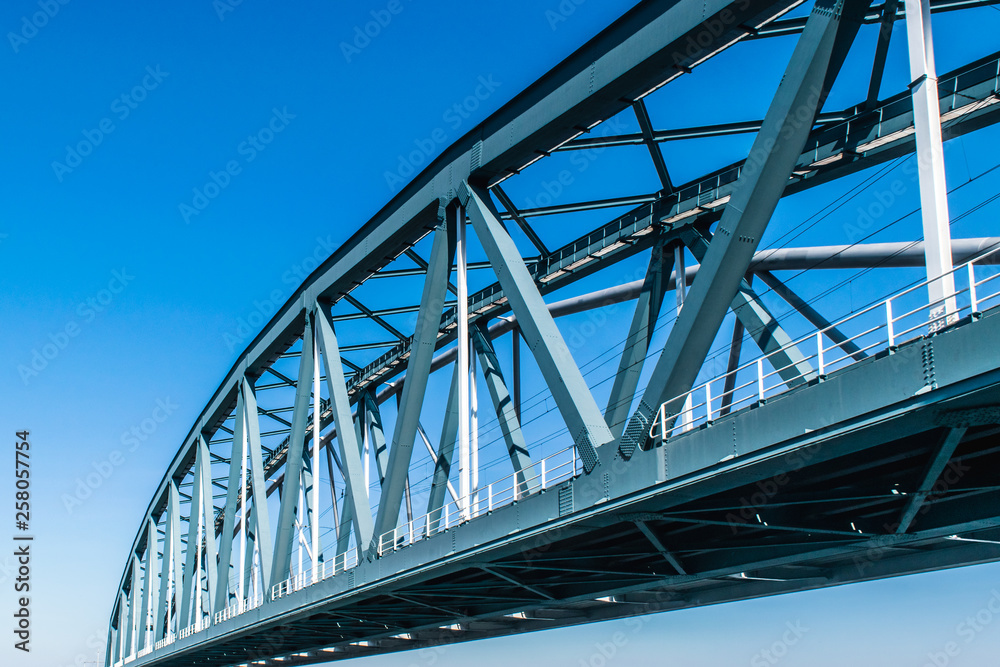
x=973 y=301
x=294 y=463
x=461 y=277
x=242 y=417
x=515 y=347
x=474 y=435
x=680 y=273
x=930 y=162
x=314 y=523
x=147 y=598
x=820 y=365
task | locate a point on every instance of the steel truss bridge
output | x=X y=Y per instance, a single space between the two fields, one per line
x=312 y=513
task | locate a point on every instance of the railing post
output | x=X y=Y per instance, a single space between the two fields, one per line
x=542 y=464
x=760 y=380
x=687 y=412
x=708 y=402
x=890 y=335
x=973 y=302
x=820 y=365
x=489 y=497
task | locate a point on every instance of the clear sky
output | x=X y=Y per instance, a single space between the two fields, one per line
x=118 y=114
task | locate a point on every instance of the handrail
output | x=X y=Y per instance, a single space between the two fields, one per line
x=549 y=471
x=897 y=329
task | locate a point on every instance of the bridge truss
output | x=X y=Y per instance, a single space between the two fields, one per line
x=343 y=494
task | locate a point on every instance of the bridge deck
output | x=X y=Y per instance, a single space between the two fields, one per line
x=803 y=491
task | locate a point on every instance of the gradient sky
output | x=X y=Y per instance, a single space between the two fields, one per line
x=211 y=74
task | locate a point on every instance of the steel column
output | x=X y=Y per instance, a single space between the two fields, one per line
x=762 y=326
x=729 y=385
x=442 y=466
x=350 y=455
x=576 y=404
x=150 y=558
x=133 y=608
x=261 y=521
x=347 y=516
x=930 y=160
x=462 y=345
x=647 y=311
x=881 y=51
x=761 y=183
x=234 y=490
x=373 y=426
x=415 y=384
x=510 y=426
x=170 y=574
x=211 y=549
x=281 y=568
x=196 y=522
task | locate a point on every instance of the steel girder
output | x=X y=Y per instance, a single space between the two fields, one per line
x=510 y=426
x=647 y=311
x=350 y=449
x=419 y=367
x=201 y=529
x=294 y=463
x=759 y=323
x=563 y=377
x=814 y=63
x=578 y=577
x=404 y=220
x=170 y=575
x=442 y=462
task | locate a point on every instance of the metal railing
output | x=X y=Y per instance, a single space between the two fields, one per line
x=903 y=317
x=546 y=472
x=239 y=607
x=340 y=563
x=203 y=623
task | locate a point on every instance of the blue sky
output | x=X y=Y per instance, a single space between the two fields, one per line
x=301 y=131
